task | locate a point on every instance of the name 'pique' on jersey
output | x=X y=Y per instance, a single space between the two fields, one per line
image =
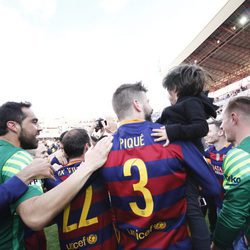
x=146 y=182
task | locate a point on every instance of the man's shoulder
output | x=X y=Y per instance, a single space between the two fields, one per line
x=234 y=157
x=15 y=163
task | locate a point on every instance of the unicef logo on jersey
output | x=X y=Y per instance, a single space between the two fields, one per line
x=84 y=242
x=140 y=235
x=92 y=239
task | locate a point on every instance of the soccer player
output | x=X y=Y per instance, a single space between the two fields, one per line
x=86 y=221
x=235 y=214
x=146 y=181
x=18 y=131
x=215 y=154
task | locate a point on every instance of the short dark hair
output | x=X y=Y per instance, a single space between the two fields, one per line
x=74 y=142
x=62 y=135
x=12 y=111
x=186 y=80
x=123 y=96
x=240 y=103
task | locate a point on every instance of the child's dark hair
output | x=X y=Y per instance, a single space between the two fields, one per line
x=186 y=80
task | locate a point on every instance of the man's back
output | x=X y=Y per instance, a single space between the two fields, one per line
x=147 y=186
x=86 y=222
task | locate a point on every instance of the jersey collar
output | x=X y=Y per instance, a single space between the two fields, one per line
x=130 y=121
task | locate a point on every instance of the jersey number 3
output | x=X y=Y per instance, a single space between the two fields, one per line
x=140 y=186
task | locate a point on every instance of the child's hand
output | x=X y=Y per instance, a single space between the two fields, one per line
x=161 y=134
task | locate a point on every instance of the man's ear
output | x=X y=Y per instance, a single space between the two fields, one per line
x=220 y=132
x=234 y=118
x=13 y=126
x=137 y=105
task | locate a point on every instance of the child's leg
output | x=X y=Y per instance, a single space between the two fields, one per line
x=199 y=230
x=212 y=213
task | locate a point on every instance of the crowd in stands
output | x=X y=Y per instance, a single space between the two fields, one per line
x=129 y=182
x=231 y=93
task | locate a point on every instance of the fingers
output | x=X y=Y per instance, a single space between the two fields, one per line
x=156 y=132
x=105 y=142
x=51 y=175
x=166 y=143
x=55 y=167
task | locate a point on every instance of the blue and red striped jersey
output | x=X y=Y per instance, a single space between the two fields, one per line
x=215 y=158
x=146 y=182
x=86 y=222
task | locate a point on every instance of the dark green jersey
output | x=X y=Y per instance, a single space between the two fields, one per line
x=12 y=160
x=235 y=213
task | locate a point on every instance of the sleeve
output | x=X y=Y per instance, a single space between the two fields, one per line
x=15 y=164
x=11 y=190
x=196 y=126
x=202 y=173
x=236 y=204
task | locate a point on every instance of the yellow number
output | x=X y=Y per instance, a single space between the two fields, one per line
x=140 y=186
x=83 y=222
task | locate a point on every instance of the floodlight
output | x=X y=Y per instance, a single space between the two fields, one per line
x=243 y=20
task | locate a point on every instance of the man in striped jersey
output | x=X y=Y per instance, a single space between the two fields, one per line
x=147 y=182
x=235 y=213
x=18 y=131
x=86 y=222
x=215 y=154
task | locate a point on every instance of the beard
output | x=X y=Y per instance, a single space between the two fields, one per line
x=27 y=142
x=148 y=115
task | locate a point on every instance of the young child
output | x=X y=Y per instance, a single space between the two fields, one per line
x=186 y=120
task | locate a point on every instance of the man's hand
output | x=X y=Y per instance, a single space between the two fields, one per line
x=161 y=134
x=38 y=169
x=96 y=156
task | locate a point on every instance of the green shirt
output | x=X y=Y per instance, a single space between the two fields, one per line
x=235 y=213
x=13 y=160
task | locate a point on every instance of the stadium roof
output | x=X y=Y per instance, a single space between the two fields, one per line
x=223 y=46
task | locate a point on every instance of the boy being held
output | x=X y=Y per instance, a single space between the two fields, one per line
x=186 y=119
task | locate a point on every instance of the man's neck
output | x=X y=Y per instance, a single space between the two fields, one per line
x=10 y=139
x=75 y=159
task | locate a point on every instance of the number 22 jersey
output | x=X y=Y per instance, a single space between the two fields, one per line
x=86 y=221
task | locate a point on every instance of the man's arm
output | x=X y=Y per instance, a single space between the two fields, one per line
x=38 y=211
x=202 y=173
x=17 y=185
x=235 y=210
x=11 y=190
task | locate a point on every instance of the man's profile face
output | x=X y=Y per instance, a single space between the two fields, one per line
x=29 y=130
x=213 y=134
x=147 y=108
x=228 y=127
